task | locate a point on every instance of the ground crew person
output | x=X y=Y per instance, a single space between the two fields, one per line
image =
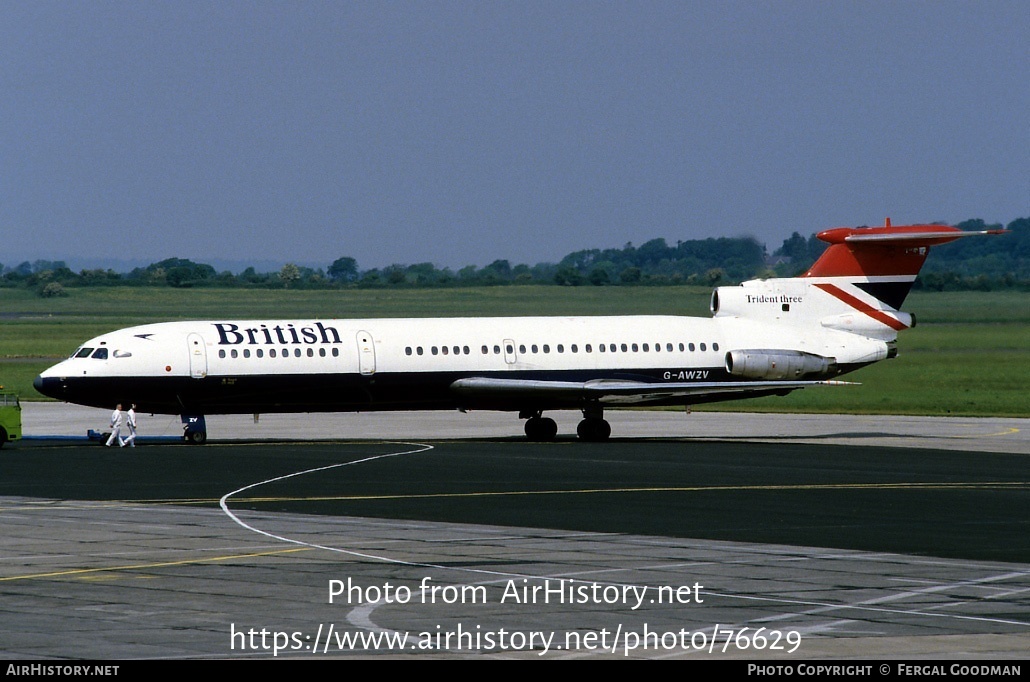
x=116 y=425
x=131 y=422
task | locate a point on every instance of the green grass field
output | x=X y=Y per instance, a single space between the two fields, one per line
x=969 y=355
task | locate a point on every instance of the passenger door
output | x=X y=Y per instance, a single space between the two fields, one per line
x=198 y=356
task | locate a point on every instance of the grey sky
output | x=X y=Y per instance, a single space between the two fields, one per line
x=463 y=132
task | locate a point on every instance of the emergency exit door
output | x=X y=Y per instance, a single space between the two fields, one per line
x=366 y=353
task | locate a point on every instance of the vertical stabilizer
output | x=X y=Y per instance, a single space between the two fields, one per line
x=858 y=285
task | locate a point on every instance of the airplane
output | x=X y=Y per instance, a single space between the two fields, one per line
x=765 y=337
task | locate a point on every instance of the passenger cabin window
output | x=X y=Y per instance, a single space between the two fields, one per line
x=508 y=348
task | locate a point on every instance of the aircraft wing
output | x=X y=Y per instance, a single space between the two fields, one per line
x=618 y=392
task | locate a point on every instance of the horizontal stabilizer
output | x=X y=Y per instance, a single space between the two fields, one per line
x=894 y=252
x=927 y=238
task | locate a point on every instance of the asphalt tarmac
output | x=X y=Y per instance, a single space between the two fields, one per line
x=687 y=536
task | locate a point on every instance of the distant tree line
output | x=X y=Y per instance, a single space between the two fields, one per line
x=981 y=264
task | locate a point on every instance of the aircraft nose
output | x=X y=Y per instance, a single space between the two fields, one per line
x=46 y=385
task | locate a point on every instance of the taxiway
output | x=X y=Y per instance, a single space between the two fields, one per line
x=689 y=535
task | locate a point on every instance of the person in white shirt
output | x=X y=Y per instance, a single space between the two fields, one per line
x=130 y=421
x=116 y=426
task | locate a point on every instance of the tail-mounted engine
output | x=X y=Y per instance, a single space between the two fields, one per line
x=779 y=364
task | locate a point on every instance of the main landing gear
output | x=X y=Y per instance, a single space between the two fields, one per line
x=539 y=428
x=593 y=428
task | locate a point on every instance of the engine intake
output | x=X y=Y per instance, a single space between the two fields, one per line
x=779 y=364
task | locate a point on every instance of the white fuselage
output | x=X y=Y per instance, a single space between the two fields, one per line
x=310 y=365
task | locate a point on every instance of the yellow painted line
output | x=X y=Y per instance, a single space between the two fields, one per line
x=972 y=485
x=1007 y=432
x=69 y=505
x=137 y=567
x=593 y=491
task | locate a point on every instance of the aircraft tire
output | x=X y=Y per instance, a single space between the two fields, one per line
x=594 y=430
x=196 y=437
x=3 y=436
x=541 y=429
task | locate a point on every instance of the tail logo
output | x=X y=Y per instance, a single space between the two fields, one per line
x=881 y=316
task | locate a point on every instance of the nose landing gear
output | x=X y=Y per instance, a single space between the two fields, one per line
x=194 y=429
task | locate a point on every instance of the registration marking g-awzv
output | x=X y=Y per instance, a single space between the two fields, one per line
x=686 y=375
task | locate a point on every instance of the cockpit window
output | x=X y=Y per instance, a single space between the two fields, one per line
x=82 y=353
x=99 y=354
